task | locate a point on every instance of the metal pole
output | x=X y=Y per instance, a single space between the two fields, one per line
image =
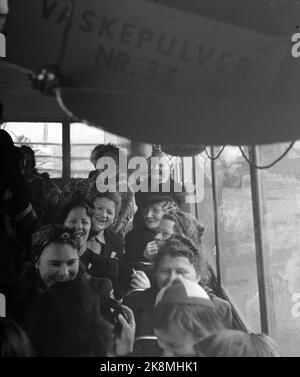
x=66 y=152
x=195 y=182
x=263 y=274
x=216 y=217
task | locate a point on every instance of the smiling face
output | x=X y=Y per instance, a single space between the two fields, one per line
x=170 y=268
x=58 y=263
x=153 y=215
x=104 y=214
x=80 y=221
x=164 y=231
x=175 y=342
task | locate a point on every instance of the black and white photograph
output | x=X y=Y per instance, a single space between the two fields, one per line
x=150 y=182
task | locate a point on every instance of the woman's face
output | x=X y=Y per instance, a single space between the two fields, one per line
x=170 y=268
x=164 y=231
x=153 y=215
x=104 y=213
x=58 y=263
x=175 y=342
x=79 y=220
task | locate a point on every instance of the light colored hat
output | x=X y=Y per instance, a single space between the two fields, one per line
x=183 y=292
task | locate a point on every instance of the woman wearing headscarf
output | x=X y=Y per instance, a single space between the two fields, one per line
x=54 y=259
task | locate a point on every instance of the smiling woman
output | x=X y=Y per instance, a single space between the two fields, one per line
x=78 y=216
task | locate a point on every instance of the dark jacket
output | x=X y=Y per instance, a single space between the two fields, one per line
x=113 y=243
x=23 y=297
x=100 y=266
x=135 y=243
x=142 y=305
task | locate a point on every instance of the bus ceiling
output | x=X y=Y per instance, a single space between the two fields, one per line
x=165 y=71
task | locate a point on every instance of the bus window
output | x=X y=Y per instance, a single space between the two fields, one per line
x=205 y=209
x=46 y=141
x=236 y=235
x=281 y=204
x=83 y=140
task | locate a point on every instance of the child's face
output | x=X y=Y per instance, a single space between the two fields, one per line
x=170 y=268
x=164 y=231
x=153 y=215
x=175 y=342
x=104 y=213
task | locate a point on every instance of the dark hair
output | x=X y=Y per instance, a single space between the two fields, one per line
x=30 y=151
x=67 y=322
x=103 y=149
x=13 y=340
x=231 y=343
x=112 y=196
x=75 y=203
x=197 y=320
x=180 y=246
x=155 y=198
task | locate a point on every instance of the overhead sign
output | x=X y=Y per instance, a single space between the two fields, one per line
x=276 y=17
x=134 y=46
x=143 y=69
x=35 y=31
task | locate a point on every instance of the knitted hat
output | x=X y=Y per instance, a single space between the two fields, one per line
x=183 y=292
x=191 y=227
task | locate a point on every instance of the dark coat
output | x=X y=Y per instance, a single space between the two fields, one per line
x=23 y=297
x=113 y=243
x=100 y=266
x=135 y=243
x=142 y=305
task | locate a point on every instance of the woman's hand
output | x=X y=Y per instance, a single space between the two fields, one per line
x=124 y=343
x=139 y=280
x=151 y=250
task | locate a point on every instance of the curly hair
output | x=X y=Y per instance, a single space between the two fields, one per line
x=114 y=197
x=180 y=246
x=78 y=202
x=103 y=149
x=232 y=343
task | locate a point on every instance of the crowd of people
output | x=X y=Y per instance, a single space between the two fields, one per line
x=87 y=272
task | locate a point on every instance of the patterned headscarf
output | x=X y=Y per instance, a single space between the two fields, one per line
x=48 y=234
x=191 y=227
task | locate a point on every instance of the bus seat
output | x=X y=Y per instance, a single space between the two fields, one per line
x=146 y=346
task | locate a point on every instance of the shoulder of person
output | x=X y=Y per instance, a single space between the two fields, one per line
x=220 y=303
x=113 y=237
x=102 y=287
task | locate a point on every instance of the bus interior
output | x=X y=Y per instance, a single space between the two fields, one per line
x=235 y=147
